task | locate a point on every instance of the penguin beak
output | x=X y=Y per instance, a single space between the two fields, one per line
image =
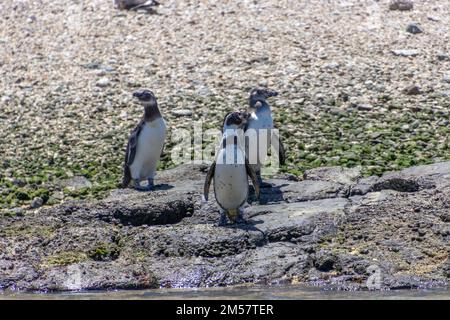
x=137 y=94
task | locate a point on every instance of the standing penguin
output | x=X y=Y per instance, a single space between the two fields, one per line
x=261 y=118
x=230 y=170
x=145 y=143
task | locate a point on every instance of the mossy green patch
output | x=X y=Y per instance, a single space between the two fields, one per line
x=105 y=252
x=65 y=258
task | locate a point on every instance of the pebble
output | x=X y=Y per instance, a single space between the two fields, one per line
x=332 y=65
x=415 y=124
x=364 y=107
x=443 y=56
x=182 y=112
x=414 y=28
x=17 y=211
x=446 y=78
x=37 y=203
x=406 y=53
x=5 y=99
x=204 y=91
x=412 y=90
x=103 y=82
x=401 y=5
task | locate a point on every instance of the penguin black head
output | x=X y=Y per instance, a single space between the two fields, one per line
x=260 y=94
x=145 y=97
x=235 y=119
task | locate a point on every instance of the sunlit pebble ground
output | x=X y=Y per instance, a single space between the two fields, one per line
x=68 y=69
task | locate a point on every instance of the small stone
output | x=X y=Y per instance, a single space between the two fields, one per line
x=421 y=232
x=204 y=91
x=406 y=53
x=401 y=5
x=19 y=182
x=443 y=56
x=412 y=90
x=17 y=212
x=37 y=203
x=375 y=135
x=92 y=65
x=182 y=113
x=332 y=65
x=414 y=28
x=415 y=124
x=364 y=107
x=103 y=82
x=446 y=78
x=432 y=18
x=5 y=99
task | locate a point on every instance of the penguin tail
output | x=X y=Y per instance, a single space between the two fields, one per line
x=126 y=177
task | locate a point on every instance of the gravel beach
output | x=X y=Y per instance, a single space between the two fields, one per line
x=357 y=87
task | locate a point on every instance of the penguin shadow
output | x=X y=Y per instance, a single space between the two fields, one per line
x=248 y=225
x=157 y=187
x=163 y=187
x=269 y=194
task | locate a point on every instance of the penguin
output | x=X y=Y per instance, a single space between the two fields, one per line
x=230 y=170
x=261 y=118
x=145 y=144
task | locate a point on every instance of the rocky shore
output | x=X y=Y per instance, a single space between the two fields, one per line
x=333 y=228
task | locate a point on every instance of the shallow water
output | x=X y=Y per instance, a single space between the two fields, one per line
x=251 y=293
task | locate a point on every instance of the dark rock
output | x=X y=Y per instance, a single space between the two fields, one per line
x=325 y=261
x=414 y=28
x=364 y=107
x=443 y=56
x=412 y=90
x=36 y=203
x=135 y=4
x=401 y=5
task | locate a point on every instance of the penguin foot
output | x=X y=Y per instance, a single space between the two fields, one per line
x=223 y=219
x=151 y=185
x=137 y=185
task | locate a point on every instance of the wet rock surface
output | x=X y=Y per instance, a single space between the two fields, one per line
x=391 y=233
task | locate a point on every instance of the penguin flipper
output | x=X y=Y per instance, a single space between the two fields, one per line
x=126 y=176
x=209 y=177
x=252 y=174
x=132 y=143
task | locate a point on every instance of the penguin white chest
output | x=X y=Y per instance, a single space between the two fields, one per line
x=230 y=180
x=149 y=146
